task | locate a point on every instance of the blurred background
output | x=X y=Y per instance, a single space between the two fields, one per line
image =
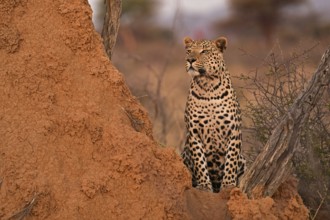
x=150 y=53
x=274 y=46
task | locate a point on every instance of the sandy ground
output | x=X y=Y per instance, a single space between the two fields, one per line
x=74 y=142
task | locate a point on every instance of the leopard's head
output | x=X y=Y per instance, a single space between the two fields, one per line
x=204 y=57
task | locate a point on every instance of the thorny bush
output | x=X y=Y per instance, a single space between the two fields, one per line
x=274 y=86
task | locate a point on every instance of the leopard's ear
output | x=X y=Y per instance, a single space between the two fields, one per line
x=221 y=43
x=187 y=41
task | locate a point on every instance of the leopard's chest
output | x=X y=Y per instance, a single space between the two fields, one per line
x=211 y=110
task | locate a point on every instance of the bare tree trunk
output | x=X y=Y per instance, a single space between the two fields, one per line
x=111 y=25
x=273 y=165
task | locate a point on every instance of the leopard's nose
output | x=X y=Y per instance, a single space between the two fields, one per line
x=191 y=60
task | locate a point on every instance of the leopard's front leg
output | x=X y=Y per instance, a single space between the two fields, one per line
x=197 y=153
x=232 y=161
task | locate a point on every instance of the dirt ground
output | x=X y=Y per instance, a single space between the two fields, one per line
x=74 y=142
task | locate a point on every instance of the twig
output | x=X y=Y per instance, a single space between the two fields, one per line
x=139 y=59
x=142 y=96
x=26 y=209
x=321 y=203
x=136 y=124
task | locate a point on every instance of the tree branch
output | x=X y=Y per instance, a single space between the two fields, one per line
x=111 y=25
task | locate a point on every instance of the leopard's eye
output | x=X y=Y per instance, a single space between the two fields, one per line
x=204 y=51
x=188 y=51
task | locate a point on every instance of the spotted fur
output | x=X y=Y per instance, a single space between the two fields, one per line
x=212 y=150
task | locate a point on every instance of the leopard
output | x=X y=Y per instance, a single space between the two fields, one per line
x=212 y=149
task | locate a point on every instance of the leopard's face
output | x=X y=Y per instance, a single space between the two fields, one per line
x=204 y=57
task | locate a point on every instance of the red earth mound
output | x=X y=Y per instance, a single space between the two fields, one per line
x=74 y=142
